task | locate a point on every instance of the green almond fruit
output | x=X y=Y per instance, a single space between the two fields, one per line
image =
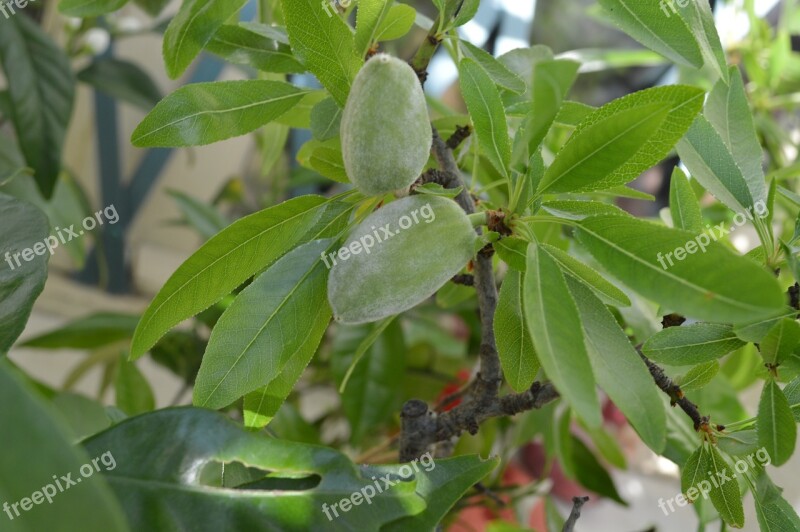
x=399 y=256
x=386 y=132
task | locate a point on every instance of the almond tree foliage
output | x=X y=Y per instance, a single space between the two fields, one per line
x=510 y=226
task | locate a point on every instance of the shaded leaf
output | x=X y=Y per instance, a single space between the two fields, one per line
x=777 y=431
x=683 y=204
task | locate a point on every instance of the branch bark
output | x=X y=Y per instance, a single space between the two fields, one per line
x=574 y=515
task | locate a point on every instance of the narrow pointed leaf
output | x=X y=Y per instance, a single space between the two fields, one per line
x=619 y=369
x=514 y=344
x=683 y=104
x=777 y=431
x=244 y=46
x=555 y=326
x=281 y=315
x=370 y=14
x=698 y=376
x=21 y=281
x=192 y=28
x=579 y=271
x=657 y=27
x=780 y=341
x=700 y=286
x=89 y=8
x=41 y=90
x=694 y=471
x=487 y=113
x=691 y=344
x=725 y=495
x=728 y=111
x=711 y=162
x=226 y=261
x=203 y=113
x=324 y=43
x=683 y=204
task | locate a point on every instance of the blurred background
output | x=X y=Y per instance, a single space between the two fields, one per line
x=170 y=201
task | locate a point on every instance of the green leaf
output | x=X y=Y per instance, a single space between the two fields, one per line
x=756 y=330
x=780 y=341
x=579 y=271
x=203 y=113
x=173 y=459
x=204 y=218
x=326 y=118
x=281 y=315
x=152 y=7
x=329 y=163
x=593 y=153
x=195 y=24
x=397 y=23
x=738 y=443
x=369 y=17
x=693 y=472
x=37 y=445
x=619 y=369
x=134 y=395
x=514 y=344
x=41 y=89
x=701 y=286
x=650 y=23
x=12 y=163
x=374 y=387
x=773 y=512
x=550 y=84
x=89 y=8
x=122 y=80
x=683 y=204
x=698 y=376
x=578 y=209
x=226 y=261
x=90 y=332
x=728 y=111
x=487 y=113
x=615 y=144
x=591 y=474
x=497 y=71
x=792 y=393
x=244 y=46
x=467 y=11
x=777 y=431
x=711 y=162
x=691 y=344
x=23 y=271
x=700 y=19
x=555 y=326
x=325 y=45
x=725 y=495
x=442 y=488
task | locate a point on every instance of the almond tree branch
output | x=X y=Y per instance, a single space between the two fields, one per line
x=574 y=515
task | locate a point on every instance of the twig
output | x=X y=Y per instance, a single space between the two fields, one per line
x=676 y=396
x=464 y=279
x=575 y=514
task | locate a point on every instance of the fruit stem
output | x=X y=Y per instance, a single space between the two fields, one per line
x=478 y=219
